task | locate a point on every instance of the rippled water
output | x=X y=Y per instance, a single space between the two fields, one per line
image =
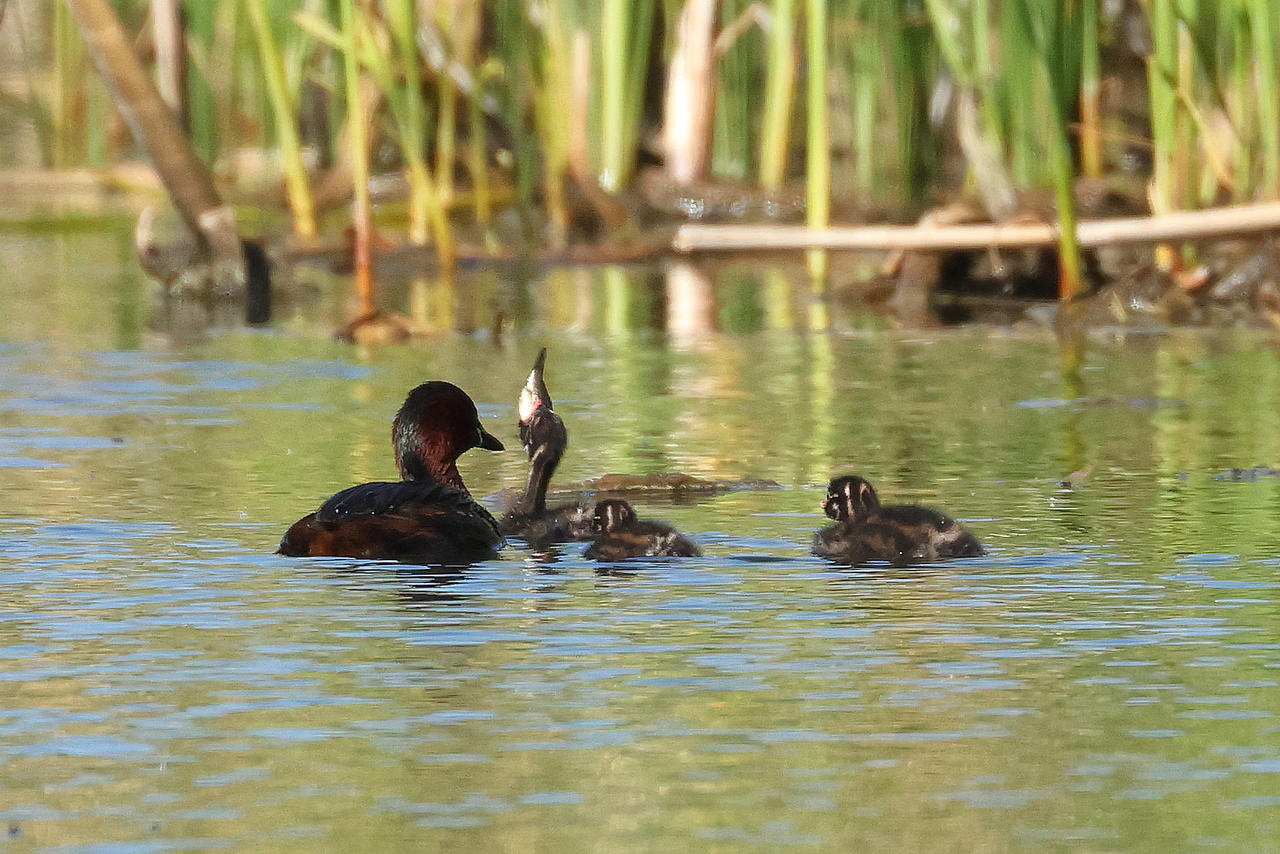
x=1106 y=680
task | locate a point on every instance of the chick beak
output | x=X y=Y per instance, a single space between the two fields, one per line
x=534 y=394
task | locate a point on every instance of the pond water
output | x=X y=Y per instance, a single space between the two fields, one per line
x=1107 y=679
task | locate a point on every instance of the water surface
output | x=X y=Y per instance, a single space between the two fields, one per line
x=1106 y=680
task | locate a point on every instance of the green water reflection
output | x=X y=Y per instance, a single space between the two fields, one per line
x=1106 y=681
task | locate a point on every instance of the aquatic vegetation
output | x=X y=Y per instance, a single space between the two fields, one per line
x=551 y=106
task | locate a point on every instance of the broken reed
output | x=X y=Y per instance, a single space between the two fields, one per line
x=573 y=86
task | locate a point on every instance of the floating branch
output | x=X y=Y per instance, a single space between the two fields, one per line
x=1181 y=225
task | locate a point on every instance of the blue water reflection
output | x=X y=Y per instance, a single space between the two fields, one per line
x=1107 y=678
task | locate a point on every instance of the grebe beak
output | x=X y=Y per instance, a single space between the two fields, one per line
x=487 y=440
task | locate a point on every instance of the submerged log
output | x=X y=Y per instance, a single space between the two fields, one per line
x=674 y=486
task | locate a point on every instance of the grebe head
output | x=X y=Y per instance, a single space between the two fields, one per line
x=612 y=515
x=534 y=395
x=850 y=497
x=437 y=422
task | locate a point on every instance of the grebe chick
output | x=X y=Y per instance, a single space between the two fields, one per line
x=900 y=534
x=863 y=543
x=620 y=535
x=544 y=437
x=428 y=515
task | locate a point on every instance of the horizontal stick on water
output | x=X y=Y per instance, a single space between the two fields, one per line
x=1180 y=225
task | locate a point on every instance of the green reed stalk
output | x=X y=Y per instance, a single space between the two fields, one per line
x=428 y=209
x=865 y=65
x=626 y=28
x=468 y=31
x=859 y=46
x=283 y=108
x=225 y=91
x=1217 y=171
x=1264 y=15
x=643 y=24
x=779 y=83
x=477 y=146
x=543 y=55
x=402 y=20
x=514 y=38
x=60 y=130
x=1187 y=164
x=946 y=33
x=1068 y=243
x=447 y=113
x=1242 y=105
x=1161 y=73
x=1090 y=91
x=1053 y=30
x=915 y=65
x=818 y=142
x=208 y=80
x=978 y=126
x=358 y=134
x=984 y=61
x=985 y=80
x=1022 y=92
x=614 y=37
x=731 y=139
x=402 y=94
x=98 y=112
x=551 y=117
x=1162 y=70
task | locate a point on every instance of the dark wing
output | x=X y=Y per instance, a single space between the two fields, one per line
x=406 y=520
x=422 y=534
x=913 y=516
x=369 y=499
x=938 y=534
